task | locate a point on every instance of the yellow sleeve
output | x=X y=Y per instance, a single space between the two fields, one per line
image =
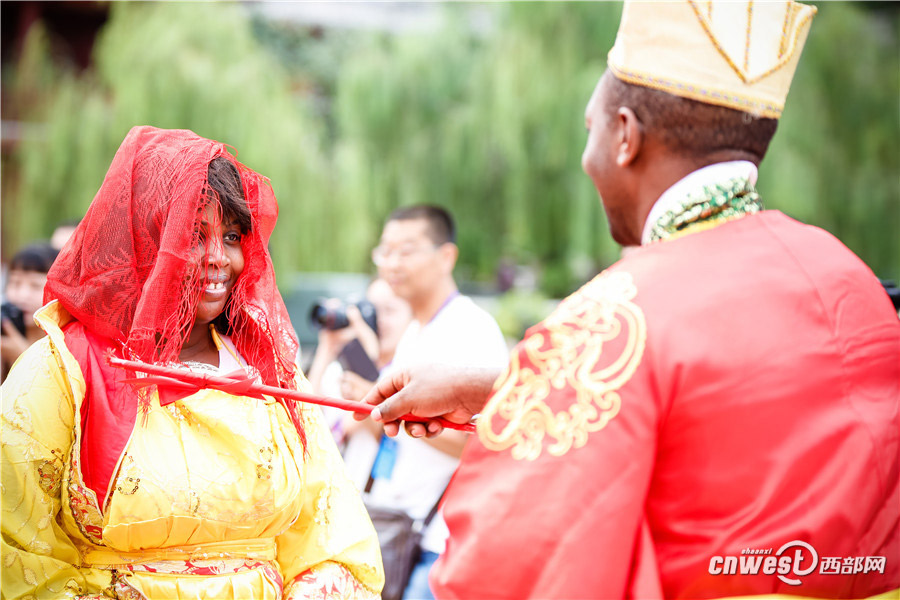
x=39 y=559
x=332 y=548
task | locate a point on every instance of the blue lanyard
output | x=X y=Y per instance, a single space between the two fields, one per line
x=385 y=459
x=444 y=305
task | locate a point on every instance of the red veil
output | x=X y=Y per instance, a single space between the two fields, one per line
x=127 y=274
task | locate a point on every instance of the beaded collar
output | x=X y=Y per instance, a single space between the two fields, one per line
x=711 y=206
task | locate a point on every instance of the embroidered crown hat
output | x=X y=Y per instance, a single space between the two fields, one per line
x=738 y=54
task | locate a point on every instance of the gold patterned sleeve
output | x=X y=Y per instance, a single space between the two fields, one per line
x=39 y=559
x=332 y=550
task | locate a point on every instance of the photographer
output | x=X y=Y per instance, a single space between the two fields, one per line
x=24 y=295
x=416 y=255
x=335 y=369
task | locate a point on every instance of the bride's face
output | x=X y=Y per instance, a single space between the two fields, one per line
x=220 y=261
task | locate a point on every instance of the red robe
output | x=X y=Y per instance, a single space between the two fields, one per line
x=723 y=394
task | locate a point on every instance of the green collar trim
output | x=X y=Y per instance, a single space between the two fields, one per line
x=713 y=205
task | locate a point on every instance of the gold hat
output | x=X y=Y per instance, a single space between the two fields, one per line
x=739 y=54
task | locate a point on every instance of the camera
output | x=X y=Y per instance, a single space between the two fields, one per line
x=12 y=313
x=331 y=314
x=893 y=292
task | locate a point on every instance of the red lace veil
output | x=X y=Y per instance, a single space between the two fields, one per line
x=123 y=274
x=127 y=274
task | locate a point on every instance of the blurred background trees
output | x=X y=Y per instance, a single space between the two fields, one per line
x=482 y=113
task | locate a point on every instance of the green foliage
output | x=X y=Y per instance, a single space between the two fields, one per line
x=155 y=66
x=29 y=93
x=518 y=310
x=492 y=128
x=488 y=122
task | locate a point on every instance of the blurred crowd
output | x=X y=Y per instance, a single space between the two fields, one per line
x=23 y=293
x=413 y=314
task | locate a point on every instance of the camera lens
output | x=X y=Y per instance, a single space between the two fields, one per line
x=325 y=317
x=12 y=313
x=367 y=310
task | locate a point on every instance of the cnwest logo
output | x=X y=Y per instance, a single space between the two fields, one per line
x=801 y=562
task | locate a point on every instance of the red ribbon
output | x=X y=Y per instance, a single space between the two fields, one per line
x=183 y=383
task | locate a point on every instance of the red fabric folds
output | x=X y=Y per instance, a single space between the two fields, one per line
x=108 y=412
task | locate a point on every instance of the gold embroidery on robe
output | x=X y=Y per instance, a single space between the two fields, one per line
x=589 y=347
x=264 y=469
x=83 y=503
x=338 y=584
x=50 y=473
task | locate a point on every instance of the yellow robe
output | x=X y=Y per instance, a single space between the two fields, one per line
x=213 y=498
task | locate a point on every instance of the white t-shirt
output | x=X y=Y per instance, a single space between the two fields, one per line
x=461 y=334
